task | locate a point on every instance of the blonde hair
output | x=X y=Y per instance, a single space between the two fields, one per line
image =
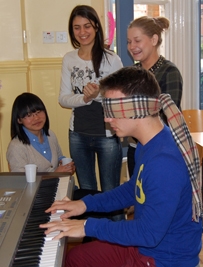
x=151 y=26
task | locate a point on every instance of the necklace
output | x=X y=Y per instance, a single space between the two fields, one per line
x=157 y=65
x=86 y=62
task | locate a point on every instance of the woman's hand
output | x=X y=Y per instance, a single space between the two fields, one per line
x=70 y=167
x=90 y=91
x=71 y=228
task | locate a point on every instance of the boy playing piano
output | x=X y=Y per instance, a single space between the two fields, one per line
x=165 y=187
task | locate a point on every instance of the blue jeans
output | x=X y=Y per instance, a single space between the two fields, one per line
x=85 y=148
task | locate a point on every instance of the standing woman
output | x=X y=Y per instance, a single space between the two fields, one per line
x=144 y=39
x=82 y=69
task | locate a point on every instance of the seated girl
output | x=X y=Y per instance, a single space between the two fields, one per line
x=31 y=139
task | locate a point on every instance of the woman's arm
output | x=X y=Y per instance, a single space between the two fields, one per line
x=67 y=98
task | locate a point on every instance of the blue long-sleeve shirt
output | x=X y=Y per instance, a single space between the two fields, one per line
x=161 y=193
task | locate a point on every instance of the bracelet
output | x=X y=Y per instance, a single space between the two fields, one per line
x=85 y=222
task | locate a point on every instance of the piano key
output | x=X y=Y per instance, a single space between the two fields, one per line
x=31 y=263
x=27 y=257
x=31 y=244
x=48 y=248
x=50 y=244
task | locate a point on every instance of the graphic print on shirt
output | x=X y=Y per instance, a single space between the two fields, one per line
x=139 y=193
x=80 y=77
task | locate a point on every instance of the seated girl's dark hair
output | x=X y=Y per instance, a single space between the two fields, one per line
x=23 y=105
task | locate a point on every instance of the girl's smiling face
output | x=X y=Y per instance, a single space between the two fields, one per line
x=34 y=122
x=84 y=31
x=140 y=45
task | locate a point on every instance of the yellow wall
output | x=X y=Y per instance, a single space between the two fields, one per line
x=34 y=17
x=34 y=66
x=11 y=45
x=13 y=76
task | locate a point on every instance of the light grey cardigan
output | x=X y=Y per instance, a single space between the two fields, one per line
x=19 y=154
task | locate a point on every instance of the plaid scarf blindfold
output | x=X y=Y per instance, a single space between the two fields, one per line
x=142 y=106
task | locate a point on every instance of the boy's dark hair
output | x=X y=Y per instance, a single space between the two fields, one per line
x=131 y=81
x=24 y=104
